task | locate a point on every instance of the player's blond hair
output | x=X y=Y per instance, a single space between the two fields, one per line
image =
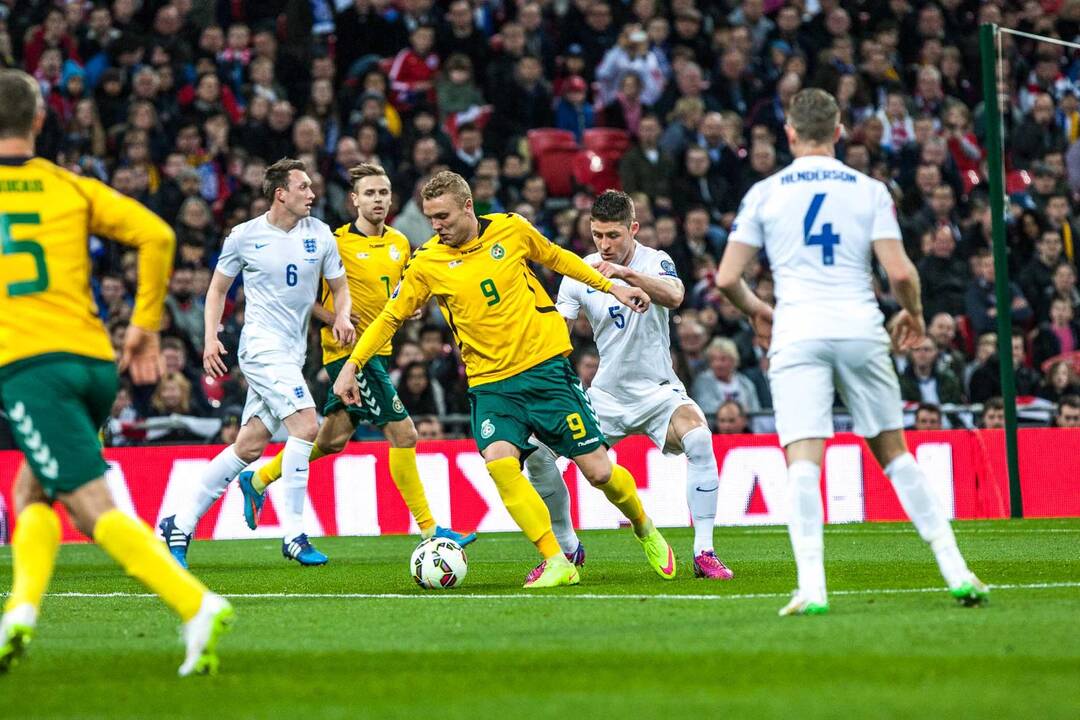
x=814 y=114
x=364 y=170
x=447 y=182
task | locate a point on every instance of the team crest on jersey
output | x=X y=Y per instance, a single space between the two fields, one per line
x=395 y=254
x=310 y=245
x=487 y=429
x=398 y=406
x=497 y=251
x=667 y=268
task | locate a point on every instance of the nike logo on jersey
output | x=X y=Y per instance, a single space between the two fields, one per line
x=260 y=247
x=590 y=291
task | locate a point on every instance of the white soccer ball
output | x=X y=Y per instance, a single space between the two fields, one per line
x=438 y=563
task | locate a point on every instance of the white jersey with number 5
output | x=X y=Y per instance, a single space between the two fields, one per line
x=817 y=219
x=281 y=281
x=635 y=348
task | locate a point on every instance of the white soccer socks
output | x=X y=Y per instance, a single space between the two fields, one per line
x=544 y=475
x=219 y=473
x=294 y=479
x=909 y=482
x=805 y=527
x=702 y=485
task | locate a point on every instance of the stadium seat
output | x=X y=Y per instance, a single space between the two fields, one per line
x=554 y=165
x=1073 y=358
x=543 y=139
x=606 y=140
x=1017 y=181
x=965 y=336
x=596 y=172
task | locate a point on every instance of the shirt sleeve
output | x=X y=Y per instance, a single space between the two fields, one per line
x=230 y=262
x=747 y=228
x=332 y=267
x=539 y=249
x=569 y=302
x=885 y=225
x=410 y=294
x=663 y=266
x=127 y=221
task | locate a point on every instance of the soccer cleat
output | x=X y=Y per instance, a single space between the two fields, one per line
x=973 y=593
x=707 y=565
x=201 y=635
x=253 y=499
x=301 y=550
x=448 y=534
x=578 y=556
x=553 y=572
x=659 y=554
x=177 y=541
x=801 y=605
x=16 y=632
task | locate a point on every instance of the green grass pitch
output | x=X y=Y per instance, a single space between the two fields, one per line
x=622 y=644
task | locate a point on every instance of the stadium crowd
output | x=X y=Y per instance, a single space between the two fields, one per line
x=183 y=104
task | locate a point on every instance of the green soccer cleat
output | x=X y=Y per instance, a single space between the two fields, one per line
x=201 y=635
x=553 y=572
x=16 y=632
x=659 y=554
x=801 y=605
x=973 y=593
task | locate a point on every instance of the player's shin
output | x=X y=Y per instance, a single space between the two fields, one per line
x=545 y=477
x=131 y=544
x=926 y=513
x=524 y=505
x=805 y=527
x=33 y=548
x=702 y=485
x=295 y=462
x=406 y=477
x=621 y=491
x=219 y=473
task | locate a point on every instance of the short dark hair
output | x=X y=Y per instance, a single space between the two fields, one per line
x=928 y=407
x=22 y=99
x=277 y=176
x=814 y=115
x=1069 y=400
x=994 y=403
x=613 y=206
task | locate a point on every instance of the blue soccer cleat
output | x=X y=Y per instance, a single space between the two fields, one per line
x=177 y=541
x=448 y=534
x=253 y=499
x=301 y=550
x=578 y=556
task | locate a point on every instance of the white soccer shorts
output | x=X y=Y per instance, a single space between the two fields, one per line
x=275 y=391
x=639 y=411
x=804 y=375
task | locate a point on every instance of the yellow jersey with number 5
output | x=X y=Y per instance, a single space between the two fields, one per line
x=46 y=217
x=373 y=267
x=503 y=320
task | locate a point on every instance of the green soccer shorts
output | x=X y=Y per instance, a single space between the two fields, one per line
x=56 y=405
x=379 y=401
x=546 y=400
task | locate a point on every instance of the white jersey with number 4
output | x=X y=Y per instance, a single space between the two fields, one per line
x=635 y=348
x=817 y=219
x=281 y=282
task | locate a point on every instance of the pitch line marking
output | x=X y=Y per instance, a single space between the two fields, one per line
x=582 y=596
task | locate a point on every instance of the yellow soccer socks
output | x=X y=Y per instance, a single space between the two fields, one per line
x=621 y=491
x=407 y=478
x=133 y=546
x=34 y=547
x=271 y=471
x=525 y=505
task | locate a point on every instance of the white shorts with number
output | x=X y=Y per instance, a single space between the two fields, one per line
x=644 y=411
x=276 y=390
x=804 y=375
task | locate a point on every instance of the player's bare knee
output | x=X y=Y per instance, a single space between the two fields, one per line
x=87 y=504
x=401 y=434
x=596 y=467
x=27 y=490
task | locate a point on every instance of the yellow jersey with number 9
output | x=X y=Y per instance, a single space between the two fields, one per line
x=373 y=266
x=46 y=217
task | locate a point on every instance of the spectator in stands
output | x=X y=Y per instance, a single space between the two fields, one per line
x=1063 y=285
x=1037 y=275
x=1060 y=335
x=1068 y=412
x=986 y=380
x=1038 y=134
x=944 y=276
x=429 y=427
x=1059 y=382
x=419 y=393
x=456 y=90
x=981 y=301
x=185 y=308
x=524 y=104
x=721 y=381
x=928 y=417
x=414 y=70
x=646 y=168
x=924 y=381
x=586 y=365
x=942 y=330
x=697 y=186
x=573 y=112
x=174 y=355
x=993 y=414
x=731 y=419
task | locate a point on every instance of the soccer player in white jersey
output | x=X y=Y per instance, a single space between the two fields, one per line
x=821 y=224
x=635 y=391
x=282 y=255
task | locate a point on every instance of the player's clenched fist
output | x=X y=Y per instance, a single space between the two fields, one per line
x=634 y=298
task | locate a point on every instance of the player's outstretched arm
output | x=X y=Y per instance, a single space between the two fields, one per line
x=729 y=279
x=213 y=350
x=342 y=325
x=661 y=289
x=908 y=326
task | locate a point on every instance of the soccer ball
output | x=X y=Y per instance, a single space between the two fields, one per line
x=438 y=563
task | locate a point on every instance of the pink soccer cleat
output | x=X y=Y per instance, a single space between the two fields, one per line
x=707 y=565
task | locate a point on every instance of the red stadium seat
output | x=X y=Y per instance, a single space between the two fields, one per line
x=1073 y=358
x=1016 y=181
x=596 y=172
x=543 y=139
x=606 y=140
x=554 y=165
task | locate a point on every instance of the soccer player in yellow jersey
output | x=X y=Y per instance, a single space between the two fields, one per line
x=514 y=344
x=58 y=378
x=375 y=256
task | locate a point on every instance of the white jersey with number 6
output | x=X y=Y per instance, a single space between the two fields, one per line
x=817 y=219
